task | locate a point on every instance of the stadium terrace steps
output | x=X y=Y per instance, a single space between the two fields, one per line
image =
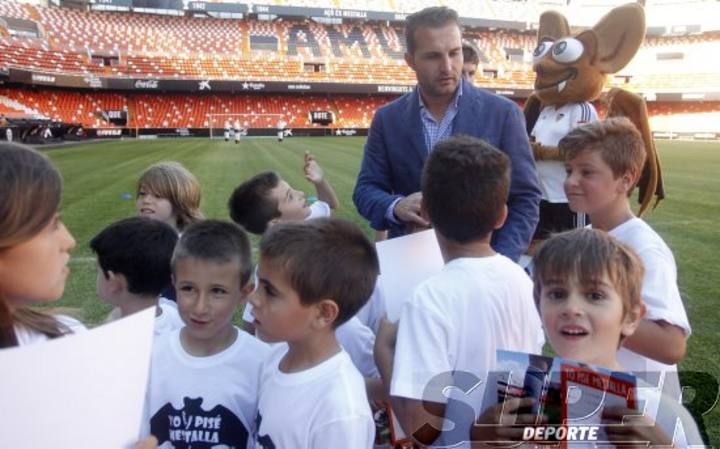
x=13 y=108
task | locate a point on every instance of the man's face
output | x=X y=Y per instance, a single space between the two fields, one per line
x=437 y=59
x=468 y=71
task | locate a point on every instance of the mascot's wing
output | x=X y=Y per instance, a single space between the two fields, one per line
x=632 y=106
x=532 y=109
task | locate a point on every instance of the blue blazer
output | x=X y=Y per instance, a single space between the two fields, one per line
x=395 y=153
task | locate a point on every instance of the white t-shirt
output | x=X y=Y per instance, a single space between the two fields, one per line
x=374 y=310
x=670 y=415
x=358 y=341
x=169 y=320
x=552 y=125
x=659 y=293
x=27 y=336
x=319 y=209
x=204 y=400
x=324 y=407
x=451 y=328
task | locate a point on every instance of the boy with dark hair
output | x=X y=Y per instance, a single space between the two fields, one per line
x=480 y=302
x=604 y=161
x=301 y=299
x=267 y=199
x=133 y=259
x=204 y=377
x=471 y=61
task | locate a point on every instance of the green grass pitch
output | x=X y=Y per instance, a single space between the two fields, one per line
x=98 y=177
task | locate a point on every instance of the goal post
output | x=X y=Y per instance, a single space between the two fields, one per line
x=216 y=122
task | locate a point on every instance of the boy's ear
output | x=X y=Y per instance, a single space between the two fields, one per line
x=328 y=312
x=116 y=281
x=247 y=289
x=502 y=217
x=628 y=180
x=632 y=320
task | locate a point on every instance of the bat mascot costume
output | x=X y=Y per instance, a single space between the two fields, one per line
x=570 y=73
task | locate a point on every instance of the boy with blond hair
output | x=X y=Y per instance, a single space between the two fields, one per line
x=604 y=161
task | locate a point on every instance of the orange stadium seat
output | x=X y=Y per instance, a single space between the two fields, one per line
x=125 y=44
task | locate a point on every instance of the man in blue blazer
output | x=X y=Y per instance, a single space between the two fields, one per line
x=403 y=132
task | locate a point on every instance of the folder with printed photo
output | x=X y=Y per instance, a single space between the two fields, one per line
x=569 y=394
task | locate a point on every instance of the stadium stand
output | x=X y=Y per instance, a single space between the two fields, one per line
x=55 y=41
x=184 y=111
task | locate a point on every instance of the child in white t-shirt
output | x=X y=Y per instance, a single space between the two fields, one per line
x=588 y=291
x=604 y=161
x=311 y=395
x=35 y=246
x=133 y=268
x=252 y=205
x=480 y=302
x=204 y=377
x=267 y=199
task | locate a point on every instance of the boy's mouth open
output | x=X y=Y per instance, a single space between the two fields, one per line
x=573 y=332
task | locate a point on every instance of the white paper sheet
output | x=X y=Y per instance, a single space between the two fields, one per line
x=404 y=263
x=81 y=391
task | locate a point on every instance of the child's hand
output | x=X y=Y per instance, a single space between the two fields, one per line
x=502 y=423
x=147 y=443
x=627 y=428
x=313 y=172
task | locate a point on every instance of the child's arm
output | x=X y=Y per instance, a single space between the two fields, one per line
x=385 y=350
x=411 y=413
x=421 y=420
x=658 y=340
x=314 y=174
x=377 y=396
x=147 y=443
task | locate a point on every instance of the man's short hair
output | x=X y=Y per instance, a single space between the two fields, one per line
x=471 y=53
x=325 y=258
x=588 y=254
x=215 y=241
x=250 y=204
x=431 y=17
x=465 y=186
x=616 y=139
x=140 y=249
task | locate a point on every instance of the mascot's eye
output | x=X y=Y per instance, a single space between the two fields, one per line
x=541 y=50
x=567 y=50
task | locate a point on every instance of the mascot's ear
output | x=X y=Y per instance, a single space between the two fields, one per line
x=619 y=35
x=553 y=26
